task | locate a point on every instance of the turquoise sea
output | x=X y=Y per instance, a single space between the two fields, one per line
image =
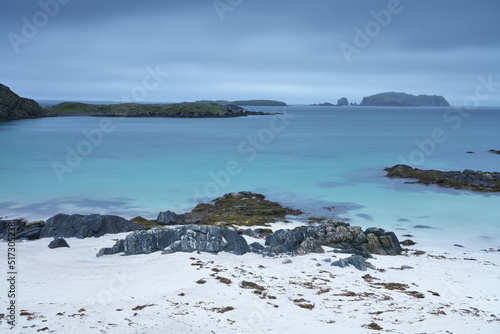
x=327 y=161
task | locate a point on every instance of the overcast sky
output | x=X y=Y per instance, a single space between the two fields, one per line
x=293 y=51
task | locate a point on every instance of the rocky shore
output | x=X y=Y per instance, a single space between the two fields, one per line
x=467 y=179
x=218 y=269
x=220 y=226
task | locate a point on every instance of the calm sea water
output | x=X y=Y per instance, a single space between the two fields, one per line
x=310 y=158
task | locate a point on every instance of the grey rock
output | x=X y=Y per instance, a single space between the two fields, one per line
x=187 y=238
x=15 y=226
x=333 y=234
x=284 y=241
x=309 y=245
x=405 y=267
x=342 y=263
x=249 y=232
x=407 y=242
x=327 y=260
x=30 y=234
x=58 y=243
x=356 y=261
x=86 y=226
x=256 y=247
x=169 y=218
x=287 y=261
x=119 y=247
x=381 y=243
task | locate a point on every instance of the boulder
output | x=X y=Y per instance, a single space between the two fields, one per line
x=15 y=226
x=381 y=242
x=86 y=226
x=58 y=243
x=187 y=238
x=256 y=247
x=333 y=234
x=30 y=234
x=407 y=242
x=249 y=232
x=310 y=245
x=356 y=261
x=119 y=247
x=169 y=218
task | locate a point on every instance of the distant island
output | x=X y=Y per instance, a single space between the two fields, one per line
x=252 y=103
x=404 y=100
x=184 y=110
x=13 y=107
x=340 y=103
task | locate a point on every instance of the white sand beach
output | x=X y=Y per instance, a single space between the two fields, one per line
x=69 y=290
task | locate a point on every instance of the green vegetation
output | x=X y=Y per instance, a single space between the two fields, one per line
x=404 y=100
x=185 y=109
x=243 y=209
x=12 y=106
x=149 y=224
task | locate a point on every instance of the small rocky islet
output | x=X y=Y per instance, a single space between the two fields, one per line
x=220 y=226
x=466 y=179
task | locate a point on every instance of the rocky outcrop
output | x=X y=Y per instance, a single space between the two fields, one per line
x=188 y=238
x=21 y=229
x=404 y=100
x=332 y=234
x=215 y=239
x=12 y=106
x=169 y=218
x=342 y=102
x=467 y=179
x=237 y=209
x=86 y=226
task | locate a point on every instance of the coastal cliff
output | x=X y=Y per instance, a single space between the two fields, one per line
x=12 y=106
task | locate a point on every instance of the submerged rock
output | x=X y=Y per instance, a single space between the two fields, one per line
x=86 y=226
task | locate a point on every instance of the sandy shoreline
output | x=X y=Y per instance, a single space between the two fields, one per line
x=69 y=290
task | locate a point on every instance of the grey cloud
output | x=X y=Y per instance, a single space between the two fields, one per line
x=278 y=49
